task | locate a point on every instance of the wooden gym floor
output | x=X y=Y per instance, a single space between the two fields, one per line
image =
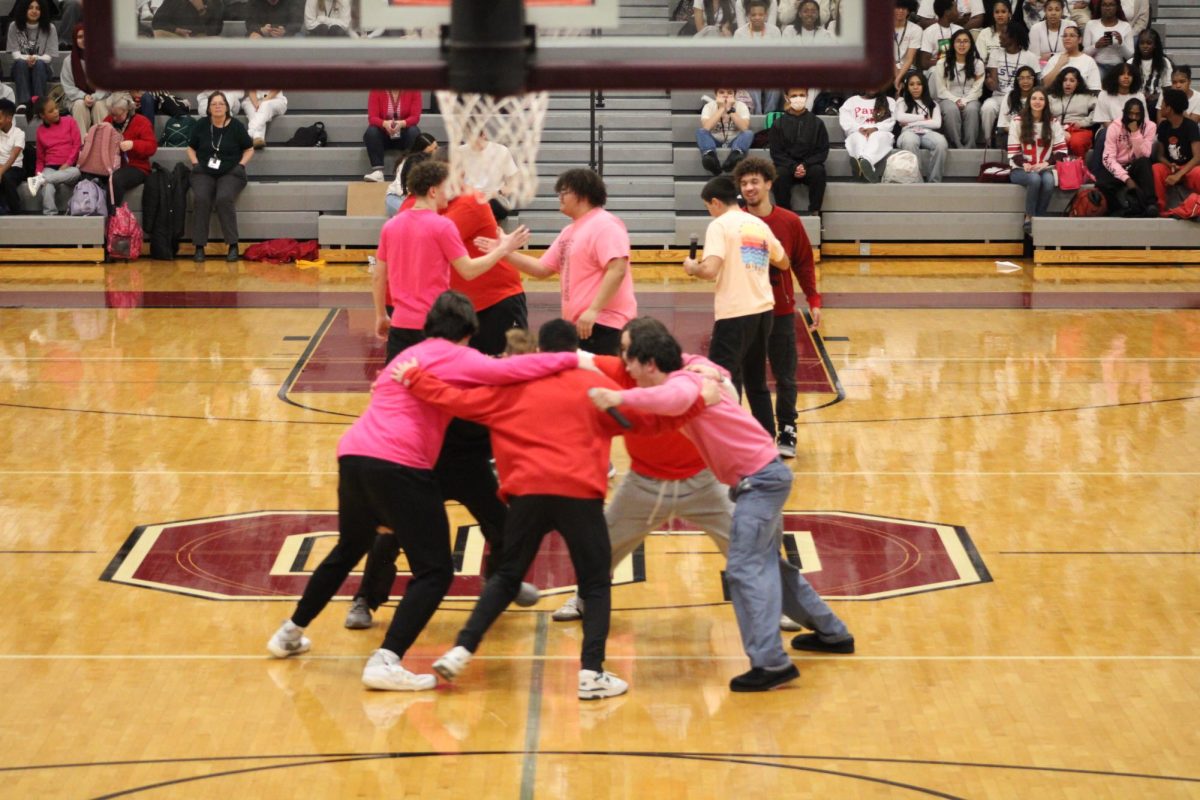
x=996 y=478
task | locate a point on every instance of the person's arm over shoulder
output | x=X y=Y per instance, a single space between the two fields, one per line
x=474 y=368
x=477 y=403
x=672 y=398
x=648 y=424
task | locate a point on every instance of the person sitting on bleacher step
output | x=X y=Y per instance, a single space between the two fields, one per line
x=261 y=107
x=799 y=147
x=58 y=146
x=12 y=146
x=32 y=41
x=327 y=18
x=273 y=19
x=724 y=122
x=869 y=122
x=219 y=150
x=189 y=19
x=393 y=115
x=89 y=106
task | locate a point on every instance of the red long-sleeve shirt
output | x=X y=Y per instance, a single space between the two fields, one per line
x=789 y=230
x=141 y=133
x=547 y=436
x=408 y=109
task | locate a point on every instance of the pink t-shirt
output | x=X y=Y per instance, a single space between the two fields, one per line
x=417 y=248
x=729 y=440
x=579 y=255
x=398 y=427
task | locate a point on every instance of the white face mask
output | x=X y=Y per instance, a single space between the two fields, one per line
x=797 y=103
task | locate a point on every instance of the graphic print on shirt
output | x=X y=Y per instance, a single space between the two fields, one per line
x=1174 y=151
x=754 y=250
x=564 y=270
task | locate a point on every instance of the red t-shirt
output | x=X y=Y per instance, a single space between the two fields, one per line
x=789 y=230
x=502 y=281
x=417 y=247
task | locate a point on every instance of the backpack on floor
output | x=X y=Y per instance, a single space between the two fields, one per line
x=1088 y=203
x=124 y=236
x=1188 y=209
x=178 y=131
x=309 y=136
x=87 y=200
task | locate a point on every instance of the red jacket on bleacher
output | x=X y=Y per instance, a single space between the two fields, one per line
x=409 y=107
x=141 y=133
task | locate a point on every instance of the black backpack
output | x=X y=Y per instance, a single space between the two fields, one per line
x=177 y=132
x=309 y=136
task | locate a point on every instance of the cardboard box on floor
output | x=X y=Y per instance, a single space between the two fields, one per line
x=365 y=199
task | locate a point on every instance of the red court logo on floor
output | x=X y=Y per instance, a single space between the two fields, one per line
x=271 y=554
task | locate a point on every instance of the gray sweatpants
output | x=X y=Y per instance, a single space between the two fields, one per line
x=641 y=505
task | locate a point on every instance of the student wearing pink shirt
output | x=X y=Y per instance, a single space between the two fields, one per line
x=385 y=477
x=416 y=251
x=592 y=257
x=742 y=455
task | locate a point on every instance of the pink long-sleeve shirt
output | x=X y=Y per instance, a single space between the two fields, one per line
x=398 y=427
x=1121 y=147
x=58 y=144
x=729 y=440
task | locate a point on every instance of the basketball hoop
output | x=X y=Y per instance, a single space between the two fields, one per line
x=514 y=121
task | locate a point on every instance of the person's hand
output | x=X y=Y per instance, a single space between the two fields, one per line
x=198 y=5
x=1131 y=183
x=604 y=399
x=510 y=242
x=186 y=33
x=587 y=360
x=382 y=324
x=708 y=371
x=867 y=131
x=585 y=322
x=691 y=266
x=710 y=390
x=486 y=244
x=1027 y=166
x=88 y=100
x=816 y=318
x=1174 y=178
x=401 y=124
x=801 y=171
x=30 y=60
x=126 y=146
x=402 y=371
x=961 y=104
x=1133 y=126
x=1116 y=38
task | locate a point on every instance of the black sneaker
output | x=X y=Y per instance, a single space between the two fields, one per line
x=199 y=255
x=787 y=441
x=868 y=171
x=814 y=643
x=711 y=163
x=232 y=254
x=761 y=680
x=733 y=160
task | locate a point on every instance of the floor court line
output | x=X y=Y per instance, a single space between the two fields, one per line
x=610 y=657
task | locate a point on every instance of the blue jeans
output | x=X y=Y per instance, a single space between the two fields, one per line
x=707 y=143
x=30 y=81
x=759 y=582
x=392 y=203
x=1039 y=189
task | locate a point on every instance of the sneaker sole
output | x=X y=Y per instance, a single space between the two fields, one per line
x=280 y=653
x=778 y=683
x=444 y=670
x=565 y=618
x=600 y=695
x=358 y=624
x=385 y=686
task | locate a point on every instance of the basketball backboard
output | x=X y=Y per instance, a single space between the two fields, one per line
x=579 y=44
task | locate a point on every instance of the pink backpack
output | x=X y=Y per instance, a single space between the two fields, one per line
x=124 y=239
x=101 y=153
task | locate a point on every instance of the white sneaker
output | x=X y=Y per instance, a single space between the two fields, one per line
x=453 y=662
x=288 y=641
x=598 y=685
x=35 y=184
x=571 y=610
x=383 y=671
x=528 y=595
x=375 y=176
x=786 y=623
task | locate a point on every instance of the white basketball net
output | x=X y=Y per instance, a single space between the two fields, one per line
x=476 y=122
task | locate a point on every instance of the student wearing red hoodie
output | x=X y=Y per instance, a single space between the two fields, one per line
x=136 y=149
x=551 y=482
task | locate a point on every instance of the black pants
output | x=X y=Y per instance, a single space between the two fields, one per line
x=222 y=192
x=372 y=492
x=739 y=344
x=1143 y=196
x=327 y=30
x=498 y=319
x=400 y=339
x=814 y=179
x=604 y=341
x=781 y=353
x=499 y=210
x=14 y=176
x=581 y=524
x=123 y=180
x=377 y=141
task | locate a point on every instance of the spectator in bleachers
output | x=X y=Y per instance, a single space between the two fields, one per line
x=1072 y=56
x=188 y=19
x=1035 y=142
x=807 y=25
x=1001 y=74
x=489 y=168
x=145 y=103
x=1079 y=12
x=920 y=122
x=1181 y=79
x=33 y=41
x=715 y=17
x=756 y=25
x=869 y=121
x=799 y=146
x=89 y=106
x=70 y=14
x=967 y=14
x=987 y=40
x=1109 y=39
x=827 y=13
x=906 y=40
x=1178 y=148
x=959 y=86
x=1127 y=173
x=12 y=147
x=1152 y=67
x=260 y=107
x=724 y=122
x=146 y=9
x=1018 y=95
x=392 y=116
x=1045 y=37
x=1031 y=12
x=1072 y=103
x=741 y=9
x=423 y=148
x=327 y=18
x=58 y=146
x=273 y=19
x=137 y=146
x=219 y=151
x=1117 y=88
x=233 y=99
x=1137 y=14
x=935 y=41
